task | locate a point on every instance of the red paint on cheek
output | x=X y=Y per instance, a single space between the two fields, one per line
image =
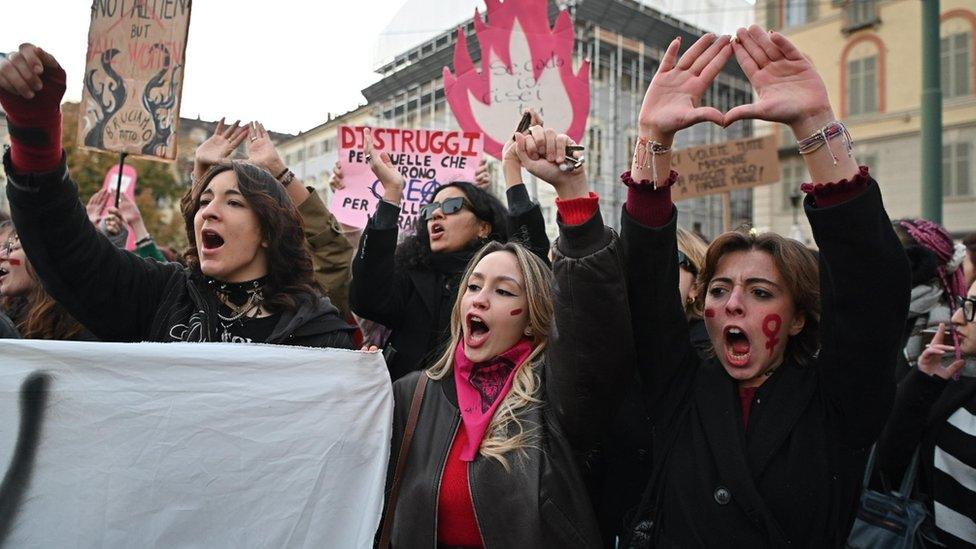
x=709 y=313
x=771 y=326
x=15 y=262
x=516 y=312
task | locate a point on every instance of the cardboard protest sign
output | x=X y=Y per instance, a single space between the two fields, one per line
x=129 y=178
x=725 y=167
x=191 y=445
x=426 y=158
x=524 y=64
x=134 y=76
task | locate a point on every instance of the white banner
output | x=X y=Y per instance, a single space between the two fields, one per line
x=191 y=445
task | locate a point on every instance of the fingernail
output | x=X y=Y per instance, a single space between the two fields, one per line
x=29 y=95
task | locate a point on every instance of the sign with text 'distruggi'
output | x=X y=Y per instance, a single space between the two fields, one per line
x=427 y=159
x=134 y=77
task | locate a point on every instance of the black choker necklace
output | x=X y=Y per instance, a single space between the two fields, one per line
x=238 y=293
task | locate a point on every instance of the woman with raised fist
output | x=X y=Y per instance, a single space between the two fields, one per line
x=250 y=275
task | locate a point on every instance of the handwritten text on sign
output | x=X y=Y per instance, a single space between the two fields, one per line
x=134 y=76
x=725 y=167
x=427 y=159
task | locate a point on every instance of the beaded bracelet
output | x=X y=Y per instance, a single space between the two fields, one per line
x=645 y=153
x=823 y=136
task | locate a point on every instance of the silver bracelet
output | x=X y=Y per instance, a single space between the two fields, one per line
x=823 y=136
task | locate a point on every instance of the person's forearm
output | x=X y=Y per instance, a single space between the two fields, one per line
x=512 y=171
x=820 y=163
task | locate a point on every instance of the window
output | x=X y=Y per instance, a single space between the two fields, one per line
x=957 y=171
x=956 y=65
x=862 y=85
x=860 y=14
x=793 y=175
x=772 y=14
x=800 y=12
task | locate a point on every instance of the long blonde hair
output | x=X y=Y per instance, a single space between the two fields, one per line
x=506 y=432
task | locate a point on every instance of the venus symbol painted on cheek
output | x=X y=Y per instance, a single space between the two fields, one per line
x=709 y=313
x=15 y=262
x=516 y=312
x=771 y=326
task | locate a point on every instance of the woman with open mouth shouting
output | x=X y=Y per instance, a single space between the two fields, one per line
x=410 y=288
x=250 y=277
x=764 y=443
x=507 y=421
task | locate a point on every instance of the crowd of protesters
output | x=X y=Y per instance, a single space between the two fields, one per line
x=646 y=389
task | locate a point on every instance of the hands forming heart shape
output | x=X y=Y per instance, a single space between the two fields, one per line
x=788 y=87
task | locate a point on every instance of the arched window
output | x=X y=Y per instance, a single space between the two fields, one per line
x=958 y=48
x=863 y=76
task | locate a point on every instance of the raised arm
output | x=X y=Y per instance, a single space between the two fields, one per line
x=591 y=351
x=864 y=274
x=650 y=220
x=379 y=291
x=525 y=220
x=331 y=251
x=113 y=293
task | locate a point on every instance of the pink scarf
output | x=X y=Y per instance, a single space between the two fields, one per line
x=481 y=388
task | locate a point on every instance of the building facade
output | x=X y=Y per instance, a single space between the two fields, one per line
x=313 y=153
x=624 y=40
x=869 y=54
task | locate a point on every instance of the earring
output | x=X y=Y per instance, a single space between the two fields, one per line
x=528 y=332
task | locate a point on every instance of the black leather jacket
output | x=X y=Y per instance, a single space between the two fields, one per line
x=543 y=501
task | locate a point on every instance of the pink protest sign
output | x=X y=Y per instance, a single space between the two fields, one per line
x=129 y=177
x=426 y=158
x=524 y=64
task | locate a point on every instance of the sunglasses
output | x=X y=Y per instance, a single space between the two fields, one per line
x=10 y=246
x=968 y=306
x=448 y=207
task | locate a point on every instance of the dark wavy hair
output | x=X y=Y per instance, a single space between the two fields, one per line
x=800 y=270
x=290 y=268
x=414 y=251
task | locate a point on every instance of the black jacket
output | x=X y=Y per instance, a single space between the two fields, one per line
x=416 y=303
x=627 y=455
x=543 y=501
x=793 y=477
x=119 y=296
x=7 y=328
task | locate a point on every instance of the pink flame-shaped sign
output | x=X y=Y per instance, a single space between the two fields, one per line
x=524 y=64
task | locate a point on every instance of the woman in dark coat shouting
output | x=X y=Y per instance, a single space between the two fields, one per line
x=516 y=403
x=764 y=443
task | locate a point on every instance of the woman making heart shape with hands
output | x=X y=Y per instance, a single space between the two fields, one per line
x=766 y=438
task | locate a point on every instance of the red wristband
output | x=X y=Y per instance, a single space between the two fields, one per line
x=649 y=206
x=35 y=124
x=831 y=194
x=576 y=211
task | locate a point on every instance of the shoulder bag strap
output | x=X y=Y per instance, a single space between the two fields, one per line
x=391 y=502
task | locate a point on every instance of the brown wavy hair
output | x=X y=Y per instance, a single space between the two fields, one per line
x=41 y=317
x=290 y=268
x=800 y=270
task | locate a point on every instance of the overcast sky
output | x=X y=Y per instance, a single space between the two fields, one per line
x=286 y=62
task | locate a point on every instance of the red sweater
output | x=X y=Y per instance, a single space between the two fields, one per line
x=456 y=522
